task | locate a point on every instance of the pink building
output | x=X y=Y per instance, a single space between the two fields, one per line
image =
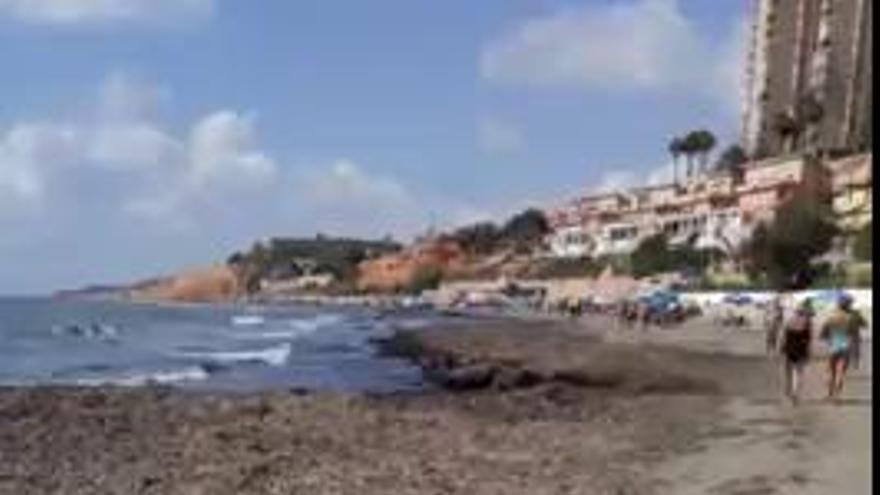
x=717 y=210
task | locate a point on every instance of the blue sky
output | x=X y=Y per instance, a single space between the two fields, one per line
x=141 y=136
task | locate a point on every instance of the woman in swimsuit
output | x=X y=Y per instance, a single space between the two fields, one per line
x=796 y=338
x=841 y=332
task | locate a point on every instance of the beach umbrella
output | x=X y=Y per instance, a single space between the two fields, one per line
x=738 y=299
x=828 y=298
x=659 y=299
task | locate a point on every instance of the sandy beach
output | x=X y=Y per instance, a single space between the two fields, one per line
x=523 y=408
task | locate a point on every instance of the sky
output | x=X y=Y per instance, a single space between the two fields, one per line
x=138 y=137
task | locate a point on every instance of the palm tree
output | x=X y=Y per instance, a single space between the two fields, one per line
x=675 y=149
x=705 y=142
x=689 y=147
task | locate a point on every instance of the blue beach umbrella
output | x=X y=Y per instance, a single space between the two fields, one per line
x=661 y=300
x=738 y=299
x=830 y=297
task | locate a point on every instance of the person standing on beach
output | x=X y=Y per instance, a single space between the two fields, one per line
x=797 y=336
x=842 y=333
x=773 y=320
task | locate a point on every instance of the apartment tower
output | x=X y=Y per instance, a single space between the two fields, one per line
x=810 y=60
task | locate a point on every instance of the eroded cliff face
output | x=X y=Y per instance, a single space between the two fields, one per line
x=398 y=270
x=211 y=284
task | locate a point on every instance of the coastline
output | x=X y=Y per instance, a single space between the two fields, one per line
x=610 y=412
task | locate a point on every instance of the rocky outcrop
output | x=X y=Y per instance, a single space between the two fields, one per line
x=504 y=359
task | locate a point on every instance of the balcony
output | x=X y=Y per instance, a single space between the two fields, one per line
x=666 y=208
x=608 y=216
x=718 y=199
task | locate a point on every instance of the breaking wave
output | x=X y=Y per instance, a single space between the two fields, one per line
x=272 y=356
x=163 y=377
x=248 y=320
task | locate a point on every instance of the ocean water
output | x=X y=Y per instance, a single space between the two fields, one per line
x=233 y=347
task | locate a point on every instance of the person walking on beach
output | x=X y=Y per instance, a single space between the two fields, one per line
x=773 y=320
x=797 y=336
x=842 y=333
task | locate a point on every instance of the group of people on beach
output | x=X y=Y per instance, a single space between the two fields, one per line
x=791 y=338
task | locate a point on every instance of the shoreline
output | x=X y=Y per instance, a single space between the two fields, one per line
x=599 y=412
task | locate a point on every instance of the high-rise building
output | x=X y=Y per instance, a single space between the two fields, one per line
x=808 y=76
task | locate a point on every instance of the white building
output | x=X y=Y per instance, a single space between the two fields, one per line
x=571 y=242
x=617 y=238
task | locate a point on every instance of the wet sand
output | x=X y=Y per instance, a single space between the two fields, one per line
x=550 y=409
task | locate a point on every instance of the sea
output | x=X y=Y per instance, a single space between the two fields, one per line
x=232 y=347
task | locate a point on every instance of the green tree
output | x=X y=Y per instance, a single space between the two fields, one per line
x=782 y=253
x=862 y=245
x=526 y=228
x=705 y=143
x=478 y=238
x=731 y=158
x=690 y=146
x=697 y=144
x=756 y=253
x=235 y=258
x=651 y=256
x=732 y=161
x=426 y=277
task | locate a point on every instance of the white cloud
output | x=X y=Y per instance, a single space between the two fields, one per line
x=632 y=45
x=346 y=182
x=135 y=145
x=29 y=153
x=497 y=136
x=163 y=175
x=615 y=181
x=77 y=12
x=129 y=194
x=221 y=150
x=123 y=96
x=664 y=174
x=217 y=165
x=618 y=180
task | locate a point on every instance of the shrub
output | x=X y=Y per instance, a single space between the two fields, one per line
x=654 y=255
x=859 y=275
x=781 y=252
x=651 y=256
x=862 y=245
x=427 y=277
x=566 y=268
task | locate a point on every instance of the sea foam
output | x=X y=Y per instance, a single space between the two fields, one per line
x=272 y=356
x=162 y=377
x=248 y=320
